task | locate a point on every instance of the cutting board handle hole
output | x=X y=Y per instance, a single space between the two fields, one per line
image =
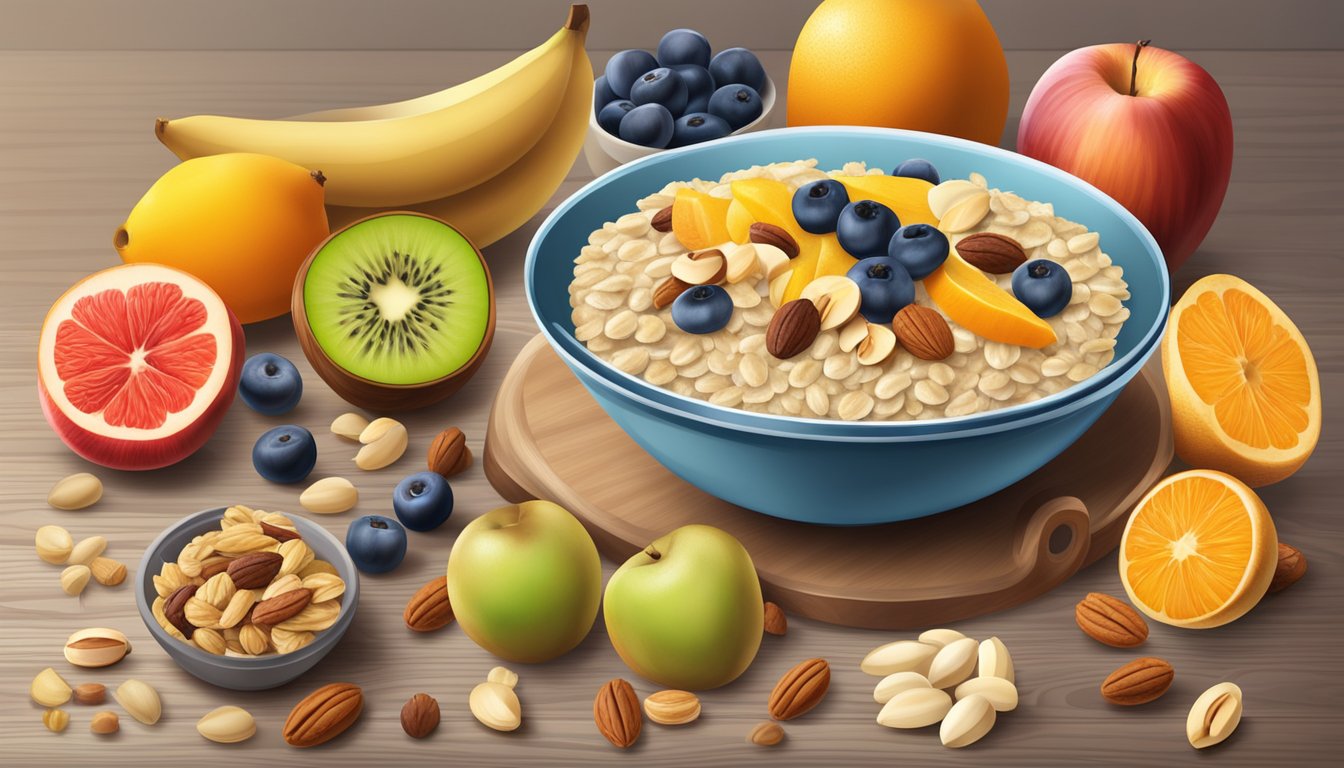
x=1060 y=539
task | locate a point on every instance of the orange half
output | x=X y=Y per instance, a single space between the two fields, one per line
x=1245 y=392
x=1199 y=550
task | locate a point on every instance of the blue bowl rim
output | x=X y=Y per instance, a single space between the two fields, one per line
x=578 y=356
x=144 y=583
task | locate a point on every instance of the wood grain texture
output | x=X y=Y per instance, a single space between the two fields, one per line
x=76 y=152
x=549 y=439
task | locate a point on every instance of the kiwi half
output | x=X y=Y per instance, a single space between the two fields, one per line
x=394 y=311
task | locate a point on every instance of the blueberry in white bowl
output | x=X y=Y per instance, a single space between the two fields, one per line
x=737 y=65
x=285 y=454
x=625 y=67
x=918 y=168
x=865 y=227
x=683 y=46
x=610 y=115
x=649 y=125
x=1044 y=286
x=920 y=248
x=695 y=127
x=885 y=288
x=699 y=86
x=270 y=384
x=423 y=501
x=817 y=205
x=737 y=104
x=660 y=86
x=602 y=93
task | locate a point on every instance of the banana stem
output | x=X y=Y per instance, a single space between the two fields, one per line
x=578 y=17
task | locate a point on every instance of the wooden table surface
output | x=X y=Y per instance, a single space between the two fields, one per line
x=76 y=152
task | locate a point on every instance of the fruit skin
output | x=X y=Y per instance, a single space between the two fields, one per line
x=648 y=125
x=699 y=86
x=817 y=205
x=920 y=248
x=865 y=228
x=624 y=67
x=1180 y=123
x=1043 y=286
x=497 y=207
x=942 y=68
x=738 y=105
x=525 y=581
x=117 y=453
x=918 y=168
x=439 y=145
x=702 y=309
x=1199 y=440
x=377 y=396
x=696 y=127
x=285 y=454
x=686 y=611
x=270 y=384
x=683 y=46
x=376 y=544
x=884 y=286
x=609 y=117
x=242 y=223
x=660 y=86
x=423 y=501
x=737 y=65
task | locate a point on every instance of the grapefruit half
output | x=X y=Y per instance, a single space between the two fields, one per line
x=137 y=365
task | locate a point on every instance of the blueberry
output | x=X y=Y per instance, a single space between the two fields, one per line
x=697 y=127
x=920 y=248
x=738 y=65
x=660 y=86
x=602 y=93
x=865 y=227
x=699 y=87
x=817 y=205
x=702 y=309
x=917 y=168
x=683 y=46
x=610 y=116
x=1043 y=286
x=884 y=288
x=376 y=544
x=649 y=125
x=285 y=454
x=270 y=384
x=423 y=501
x=625 y=67
x=736 y=104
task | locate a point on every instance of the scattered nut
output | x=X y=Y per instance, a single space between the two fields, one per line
x=1214 y=716
x=49 y=689
x=429 y=608
x=330 y=495
x=939 y=637
x=896 y=682
x=383 y=451
x=140 y=701
x=775 y=621
x=56 y=720
x=227 y=725
x=74 y=578
x=995 y=661
x=967 y=721
x=503 y=676
x=672 y=707
x=377 y=428
x=105 y=723
x=75 y=492
x=837 y=299
x=90 y=694
x=742 y=263
x=662 y=220
x=496 y=706
x=1138 y=682
x=1110 y=621
x=991 y=252
x=449 y=454
x=87 y=550
x=349 y=426
x=1292 y=566
x=96 y=647
x=877 y=344
x=616 y=712
x=800 y=689
x=899 y=656
x=792 y=329
x=1000 y=693
x=773 y=235
x=323 y=715
x=766 y=734
x=107 y=571
x=420 y=716
x=965 y=213
x=54 y=544
x=953 y=663
x=915 y=708
x=923 y=332
x=701 y=267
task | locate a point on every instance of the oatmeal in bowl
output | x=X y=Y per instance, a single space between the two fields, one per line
x=848 y=294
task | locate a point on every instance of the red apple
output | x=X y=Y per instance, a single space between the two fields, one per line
x=1146 y=126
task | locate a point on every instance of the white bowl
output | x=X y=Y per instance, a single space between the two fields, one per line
x=605 y=152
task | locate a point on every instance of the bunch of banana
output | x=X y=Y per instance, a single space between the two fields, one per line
x=484 y=155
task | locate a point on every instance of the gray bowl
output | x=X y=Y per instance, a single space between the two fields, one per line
x=236 y=672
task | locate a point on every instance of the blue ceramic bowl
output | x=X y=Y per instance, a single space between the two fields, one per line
x=241 y=673
x=830 y=471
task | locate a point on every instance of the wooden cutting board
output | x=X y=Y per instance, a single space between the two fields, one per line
x=549 y=439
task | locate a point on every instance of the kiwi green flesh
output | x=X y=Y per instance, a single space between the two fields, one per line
x=397 y=299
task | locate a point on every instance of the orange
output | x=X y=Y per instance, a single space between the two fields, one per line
x=980 y=306
x=1199 y=550
x=1245 y=393
x=926 y=65
x=699 y=220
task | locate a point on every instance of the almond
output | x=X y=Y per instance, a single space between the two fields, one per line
x=349 y=426
x=448 y=453
x=278 y=533
x=281 y=607
x=766 y=734
x=701 y=267
x=965 y=213
x=254 y=570
x=383 y=451
x=899 y=656
x=793 y=329
x=800 y=689
x=616 y=712
x=668 y=290
x=923 y=332
x=1001 y=694
x=175 y=608
x=770 y=234
x=837 y=299
x=323 y=715
x=420 y=716
x=1110 y=621
x=1138 y=682
x=496 y=706
x=227 y=725
x=877 y=345
x=107 y=571
x=74 y=578
x=90 y=694
x=897 y=682
x=775 y=621
x=672 y=707
x=662 y=220
x=953 y=663
x=992 y=252
x=329 y=496
x=75 y=492
x=967 y=722
x=1291 y=567
x=105 y=723
x=429 y=608
x=140 y=701
x=915 y=708
x=54 y=544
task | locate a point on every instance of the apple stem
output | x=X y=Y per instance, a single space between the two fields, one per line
x=1134 y=68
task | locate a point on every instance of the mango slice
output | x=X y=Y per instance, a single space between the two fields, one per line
x=980 y=306
x=834 y=259
x=739 y=221
x=909 y=198
x=699 y=220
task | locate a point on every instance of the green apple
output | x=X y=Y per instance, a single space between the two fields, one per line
x=524 y=581
x=686 y=611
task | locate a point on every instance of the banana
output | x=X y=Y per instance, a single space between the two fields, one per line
x=395 y=154
x=501 y=205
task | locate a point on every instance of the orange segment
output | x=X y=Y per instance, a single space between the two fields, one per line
x=769 y=201
x=1199 y=550
x=833 y=259
x=699 y=220
x=738 y=222
x=1244 y=386
x=908 y=198
x=980 y=306
x=804 y=266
